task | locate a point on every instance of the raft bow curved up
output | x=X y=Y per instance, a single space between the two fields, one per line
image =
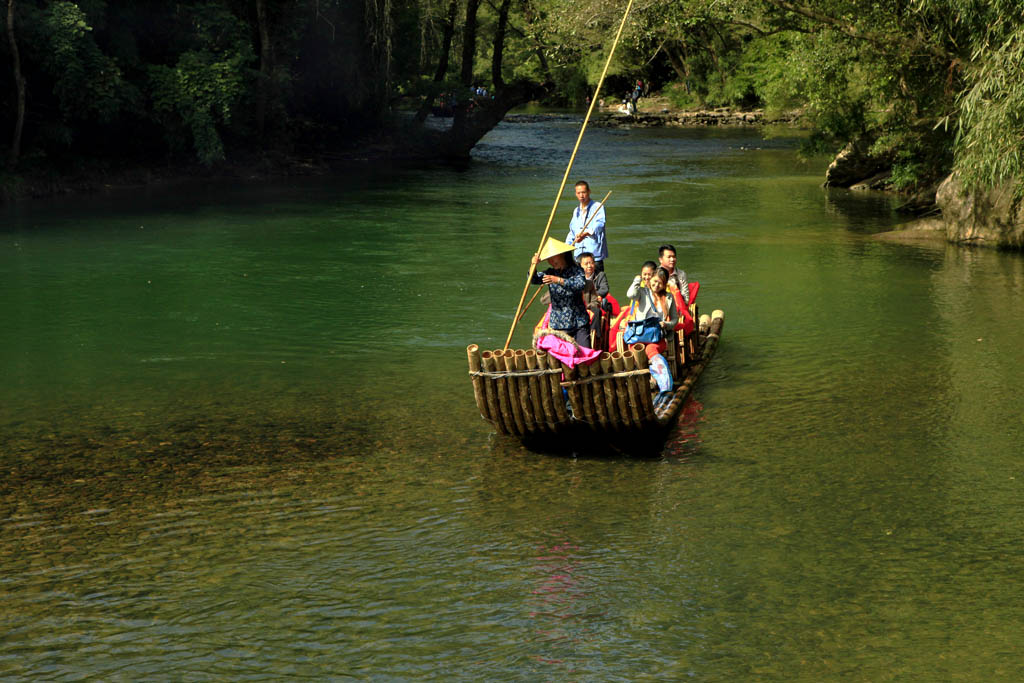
x=519 y=391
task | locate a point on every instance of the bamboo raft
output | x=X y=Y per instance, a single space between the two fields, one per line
x=529 y=394
x=519 y=391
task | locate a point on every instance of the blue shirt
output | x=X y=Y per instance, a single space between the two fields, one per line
x=594 y=243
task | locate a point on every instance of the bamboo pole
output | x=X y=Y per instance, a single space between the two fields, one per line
x=501 y=389
x=530 y=303
x=473 y=352
x=519 y=360
x=587 y=396
x=679 y=396
x=491 y=393
x=608 y=387
x=622 y=391
x=643 y=385
x=568 y=168
x=597 y=391
x=557 y=398
x=541 y=392
x=510 y=390
x=635 y=411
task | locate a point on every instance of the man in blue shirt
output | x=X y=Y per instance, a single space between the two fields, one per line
x=592 y=239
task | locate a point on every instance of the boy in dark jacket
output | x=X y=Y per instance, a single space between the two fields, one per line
x=594 y=292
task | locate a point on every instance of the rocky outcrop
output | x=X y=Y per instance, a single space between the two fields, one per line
x=994 y=218
x=856 y=168
x=680 y=119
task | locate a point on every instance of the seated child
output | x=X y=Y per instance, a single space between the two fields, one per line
x=594 y=292
x=618 y=325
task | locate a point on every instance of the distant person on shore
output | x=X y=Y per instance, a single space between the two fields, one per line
x=676 y=277
x=591 y=215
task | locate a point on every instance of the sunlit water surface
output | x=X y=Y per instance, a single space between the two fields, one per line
x=237 y=437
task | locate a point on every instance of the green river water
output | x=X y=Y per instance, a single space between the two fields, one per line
x=238 y=440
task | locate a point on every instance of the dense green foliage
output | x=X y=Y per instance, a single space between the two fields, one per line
x=930 y=85
x=150 y=80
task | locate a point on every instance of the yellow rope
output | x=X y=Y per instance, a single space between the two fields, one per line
x=568 y=169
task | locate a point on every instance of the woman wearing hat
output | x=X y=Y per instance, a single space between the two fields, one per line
x=565 y=280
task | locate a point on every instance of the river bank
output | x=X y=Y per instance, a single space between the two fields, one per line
x=91 y=176
x=99 y=176
x=659 y=112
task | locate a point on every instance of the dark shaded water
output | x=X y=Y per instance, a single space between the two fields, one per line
x=237 y=439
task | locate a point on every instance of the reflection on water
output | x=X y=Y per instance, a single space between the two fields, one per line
x=237 y=438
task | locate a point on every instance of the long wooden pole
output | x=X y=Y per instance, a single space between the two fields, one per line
x=568 y=169
x=533 y=298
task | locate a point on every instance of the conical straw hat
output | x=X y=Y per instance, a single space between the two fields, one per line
x=552 y=247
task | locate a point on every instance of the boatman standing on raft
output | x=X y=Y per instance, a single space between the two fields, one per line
x=589 y=213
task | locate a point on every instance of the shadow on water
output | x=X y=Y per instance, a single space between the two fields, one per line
x=863 y=212
x=681 y=442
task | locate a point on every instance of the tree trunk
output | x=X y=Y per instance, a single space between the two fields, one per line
x=379 y=32
x=469 y=42
x=442 y=64
x=266 y=65
x=499 y=45
x=468 y=53
x=19 y=82
x=544 y=68
x=471 y=124
x=678 y=63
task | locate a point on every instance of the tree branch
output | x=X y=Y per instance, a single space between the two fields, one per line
x=884 y=42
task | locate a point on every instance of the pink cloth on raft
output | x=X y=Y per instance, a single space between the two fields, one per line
x=567 y=352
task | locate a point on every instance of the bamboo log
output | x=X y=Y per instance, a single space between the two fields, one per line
x=510 y=388
x=473 y=352
x=597 y=391
x=587 y=396
x=622 y=392
x=501 y=389
x=557 y=397
x=643 y=383
x=518 y=359
x=608 y=387
x=705 y=323
x=540 y=390
x=635 y=411
x=491 y=393
x=669 y=412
